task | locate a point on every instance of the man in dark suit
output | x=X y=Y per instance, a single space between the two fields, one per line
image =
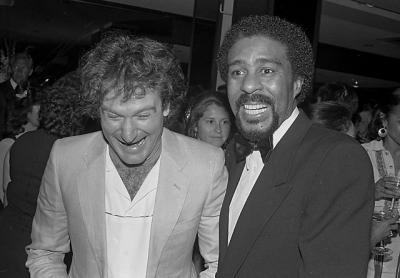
x=14 y=91
x=300 y=203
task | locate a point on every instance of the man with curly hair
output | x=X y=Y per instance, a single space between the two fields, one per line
x=299 y=200
x=132 y=198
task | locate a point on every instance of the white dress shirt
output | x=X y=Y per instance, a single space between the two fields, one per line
x=128 y=223
x=251 y=171
x=19 y=95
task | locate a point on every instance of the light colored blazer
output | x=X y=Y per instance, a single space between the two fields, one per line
x=70 y=209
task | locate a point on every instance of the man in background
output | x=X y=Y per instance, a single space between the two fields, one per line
x=14 y=91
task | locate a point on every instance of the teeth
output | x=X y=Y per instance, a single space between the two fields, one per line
x=140 y=142
x=254 y=109
x=254 y=106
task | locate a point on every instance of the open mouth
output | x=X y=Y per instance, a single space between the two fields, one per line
x=254 y=109
x=135 y=144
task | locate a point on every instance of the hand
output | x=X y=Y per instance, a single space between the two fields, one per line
x=385 y=190
x=382 y=229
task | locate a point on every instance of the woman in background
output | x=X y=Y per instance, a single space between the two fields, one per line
x=209 y=119
x=60 y=116
x=384 y=153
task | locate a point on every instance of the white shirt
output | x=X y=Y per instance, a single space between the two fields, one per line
x=251 y=171
x=14 y=85
x=128 y=223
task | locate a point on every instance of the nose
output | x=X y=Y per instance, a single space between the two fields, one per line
x=251 y=83
x=128 y=131
x=218 y=128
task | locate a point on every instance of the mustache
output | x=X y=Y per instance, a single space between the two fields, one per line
x=244 y=98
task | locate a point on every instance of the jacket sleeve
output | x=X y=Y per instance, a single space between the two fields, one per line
x=208 y=232
x=337 y=217
x=50 y=240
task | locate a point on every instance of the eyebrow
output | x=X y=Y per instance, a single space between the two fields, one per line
x=258 y=61
x=147 y=108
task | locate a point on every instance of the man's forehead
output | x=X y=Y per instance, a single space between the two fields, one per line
x=22 y=62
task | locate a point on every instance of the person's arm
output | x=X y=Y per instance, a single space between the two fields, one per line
x=337 y=217
x=5 y=178
x=208 y=228
x=50 y=240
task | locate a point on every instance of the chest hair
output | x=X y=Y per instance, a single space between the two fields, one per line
x=133 y=177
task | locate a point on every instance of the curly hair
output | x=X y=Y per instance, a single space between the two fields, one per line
x=299 y=49
x=127 y=65
x=198 y=105
x=62 y=107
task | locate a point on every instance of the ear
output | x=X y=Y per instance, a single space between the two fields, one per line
x=166 y=110
x=297 y=84
x=30 y=73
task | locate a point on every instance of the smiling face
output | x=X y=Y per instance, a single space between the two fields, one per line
x=133 y=128
x=214 y=126
x=261 y=86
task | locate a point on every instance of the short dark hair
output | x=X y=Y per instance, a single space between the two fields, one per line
x=299 y=49
x=339 y=92
x=332 y=115
x=198 y=105
x=18 y=117
x=62 y=107
x=129 y=65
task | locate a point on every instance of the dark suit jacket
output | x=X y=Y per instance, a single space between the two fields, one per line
x=309 y=213
x=6 y=95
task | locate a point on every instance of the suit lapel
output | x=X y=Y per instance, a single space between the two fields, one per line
x=171 y=193
x=268 y=193
x=235 y=171
x=91 y=188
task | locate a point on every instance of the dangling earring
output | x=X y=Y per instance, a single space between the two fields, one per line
x=382 y=132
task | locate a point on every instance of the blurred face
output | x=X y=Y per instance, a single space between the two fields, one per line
x=33 y=116
x=133 y=128
x=392 y=124
x=261 y=86
x=21 y=70
x=214 y=126
x=366 y=117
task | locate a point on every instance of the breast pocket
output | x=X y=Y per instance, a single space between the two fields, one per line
x=187 y=224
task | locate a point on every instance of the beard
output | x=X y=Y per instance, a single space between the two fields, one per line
x=255 y=130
